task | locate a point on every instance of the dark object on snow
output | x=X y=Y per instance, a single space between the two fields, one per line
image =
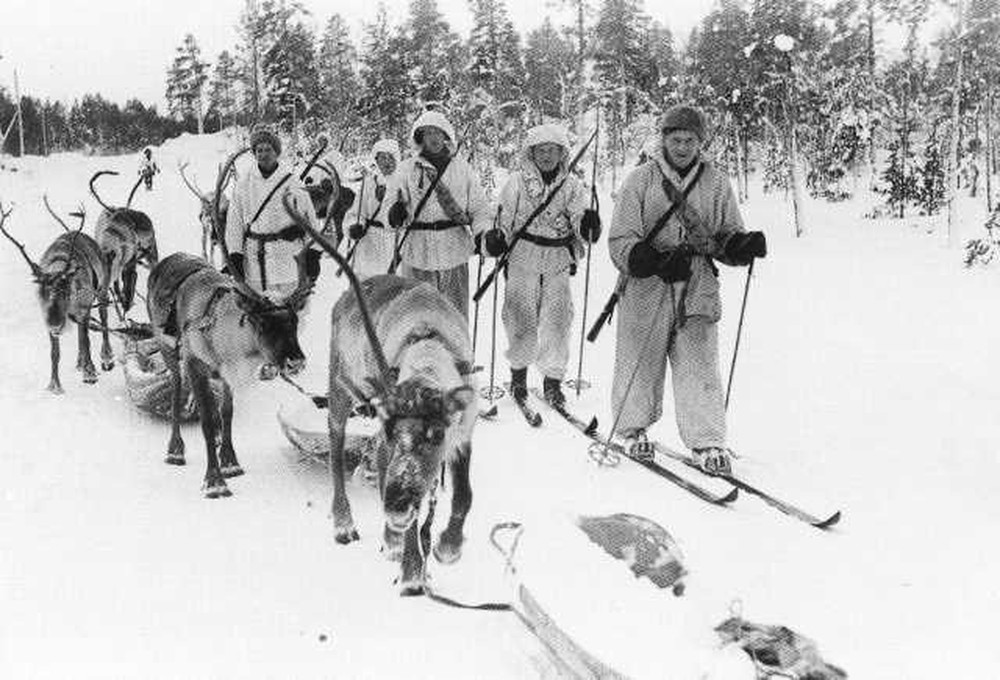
x=778 y=651
x=643 y=544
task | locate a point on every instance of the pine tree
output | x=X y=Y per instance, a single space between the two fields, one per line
x=386 y=89
x=931 y=192
x=223 y=97
x=290 y=75
x=435 y=54
x=185 y=82
x=495 y=51
x=338 y=79
x=549 y=67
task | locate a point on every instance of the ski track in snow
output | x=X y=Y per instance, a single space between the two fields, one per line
x=864 y=383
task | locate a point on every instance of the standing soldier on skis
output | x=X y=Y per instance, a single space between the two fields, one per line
x=261 y=237
x=374 y=242
x=670 y=305
x=437 y=224
x=148 y=168
x=538 y=307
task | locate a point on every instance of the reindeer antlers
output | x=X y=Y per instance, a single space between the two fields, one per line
x=4 y=214
x=191 y=185
x=94 y=191
x=366 y=319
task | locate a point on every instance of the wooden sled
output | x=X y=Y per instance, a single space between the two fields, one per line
x=147 y=380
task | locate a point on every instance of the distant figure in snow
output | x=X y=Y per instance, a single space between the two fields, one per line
x=262 y=238
x=670 y=305
x=438 y=239
x=538 y=306
x=148 y=168
x=376 y=242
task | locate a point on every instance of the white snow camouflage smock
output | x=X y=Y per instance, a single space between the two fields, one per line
x=281 y=270
x=447 y=248
x=375 y=249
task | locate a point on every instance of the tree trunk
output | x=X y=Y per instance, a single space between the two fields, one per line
x=870 y=48
x=989 y=150
x=955 y=126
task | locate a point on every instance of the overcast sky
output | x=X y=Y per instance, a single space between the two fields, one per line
x=63 y=49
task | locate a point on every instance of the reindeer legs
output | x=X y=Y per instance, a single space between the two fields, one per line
x=83 y=360
x=107 y=356
x=339 y=406
x=55 y=387
x=449 y=545
x=175 y=449
x=227 y=455
x=198 y=372
x=414 y=577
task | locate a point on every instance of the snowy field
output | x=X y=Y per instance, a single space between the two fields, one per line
x=865 y=383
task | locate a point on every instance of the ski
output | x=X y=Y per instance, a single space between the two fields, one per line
x=531 y=416
x=777 y=503
x=589 y=428
x=489 y=414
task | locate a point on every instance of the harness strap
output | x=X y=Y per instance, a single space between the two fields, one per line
x=547 y=242
x=437 y=225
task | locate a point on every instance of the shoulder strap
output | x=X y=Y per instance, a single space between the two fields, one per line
x=430 y=190
x=677 y=199
x=267 y=199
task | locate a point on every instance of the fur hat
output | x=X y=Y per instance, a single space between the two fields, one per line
x=548 y=133
x=389 y=146
x=264 y=135
x=683 y=117
x=433 y=119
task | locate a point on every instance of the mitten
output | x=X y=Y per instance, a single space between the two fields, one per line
x=590 y=226
x=495 y=243
x=312 y=263
x=675 y=265
x=643 y=260
x=397 y=214
x=357 y=230
x=741 y=248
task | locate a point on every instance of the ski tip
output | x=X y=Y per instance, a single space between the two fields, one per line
x=729 y=497
x=536 y=420
x=591 y=428
x=828 y=522
x=490 y=413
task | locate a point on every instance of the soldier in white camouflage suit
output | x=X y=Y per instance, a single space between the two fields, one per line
x=376 y=242
x=439 y=243
x=262 y=238
x=670 y=306
x=538 y=306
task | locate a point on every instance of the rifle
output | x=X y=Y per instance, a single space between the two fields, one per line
x=502 y=260
x=609 y=306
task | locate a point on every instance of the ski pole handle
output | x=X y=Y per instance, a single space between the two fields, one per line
x=604 y=317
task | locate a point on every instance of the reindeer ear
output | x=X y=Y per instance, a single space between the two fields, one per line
x=459 y=399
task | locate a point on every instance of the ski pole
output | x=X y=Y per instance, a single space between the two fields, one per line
x=357 y=219
x=739 y=331
x=479 y=278
x=595 y=205
x=493 y=392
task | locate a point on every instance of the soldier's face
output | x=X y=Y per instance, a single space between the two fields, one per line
x=546 y=156
x=386 y=162
x=265 y=155
x=433 y=140
x=681 y=146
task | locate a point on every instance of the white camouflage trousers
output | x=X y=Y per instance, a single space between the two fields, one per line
x=537 y=312
x=454 y=283
x=648 y=310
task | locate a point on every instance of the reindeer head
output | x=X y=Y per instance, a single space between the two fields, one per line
x=206 y=215
x=56 y=282
x=417 y=420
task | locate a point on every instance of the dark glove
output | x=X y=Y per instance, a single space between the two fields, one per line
x=312 y=263
x=379 y=192
x=397 y=214
x=643 y=260
x=590 y=226
x=357 y=230
x=742 y=248
x=675 y=265
x=477 y=244
x=495 y=243
x=235 y=266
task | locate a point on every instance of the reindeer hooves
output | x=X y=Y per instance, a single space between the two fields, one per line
x=345 y=536
x=55 y=388
x=107 y=364
x=175 y=459
x=447 y=552
x=229 y=471
x=89 y=375
x=216 y=489
x=412 y=587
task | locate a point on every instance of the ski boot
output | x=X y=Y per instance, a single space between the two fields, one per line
x=638 y=446
x=552 y=389
x=714 y=460
x=519 y=384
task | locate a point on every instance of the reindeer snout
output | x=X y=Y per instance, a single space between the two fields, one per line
x=268 y=372
x=294 y=366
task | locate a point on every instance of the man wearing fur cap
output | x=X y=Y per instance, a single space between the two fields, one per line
x=262 y=238
x=439 y=232
x=538 y=307
x=375 y=241
x=670 y=305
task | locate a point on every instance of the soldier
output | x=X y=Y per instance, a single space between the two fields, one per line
x=438 y=224
x=262 y=238
x=670 y=305
x=375 y=241
x=538 y=307
x=147 y=168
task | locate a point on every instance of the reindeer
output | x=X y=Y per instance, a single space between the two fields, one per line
x=330 y=198
x=126 y=239
x=214 y=325
x=209 y=242
x=400 y=346
x=70 y=277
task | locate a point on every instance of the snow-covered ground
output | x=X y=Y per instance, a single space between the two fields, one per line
x=865 y=382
